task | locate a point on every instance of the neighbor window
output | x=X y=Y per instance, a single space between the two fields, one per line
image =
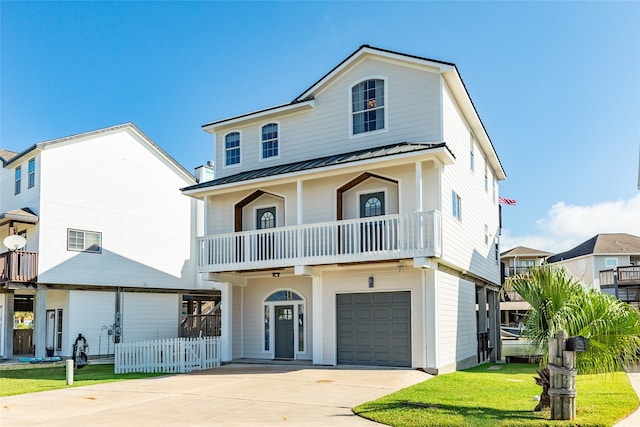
x=232 y=149
x=456 y=206
x=367 y=106
x=582 y=266
x=84 y=241
x=611 y=262
x=32 y=173
x=18 y=179
x=486 y=234
x=269 y=140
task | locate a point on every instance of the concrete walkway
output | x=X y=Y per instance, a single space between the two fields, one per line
x=233 y=395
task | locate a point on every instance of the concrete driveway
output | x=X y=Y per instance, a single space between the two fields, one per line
x=233 y=395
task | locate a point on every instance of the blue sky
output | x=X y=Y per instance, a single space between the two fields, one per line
x=557 y=84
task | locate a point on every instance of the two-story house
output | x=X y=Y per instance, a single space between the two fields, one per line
x=517 y=261
x=106 y=242
x=359 y=223
x=607 y=261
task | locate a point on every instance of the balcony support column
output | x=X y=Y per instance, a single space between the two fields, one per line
x=419 y=189
x=316 y=304
x=7 y=325
x=494 y=325
x=40 y=314
x=226 y=318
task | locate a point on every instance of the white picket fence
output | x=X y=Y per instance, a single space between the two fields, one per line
x=168 y=355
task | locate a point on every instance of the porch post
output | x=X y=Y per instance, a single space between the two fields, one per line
x=226 y=318
x=494 y=325
x=419 y=189
x=316 y=304
x=482 y=309
x=40 y=314
x=6 y=316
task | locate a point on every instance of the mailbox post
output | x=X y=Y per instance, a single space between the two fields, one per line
x=562 y=370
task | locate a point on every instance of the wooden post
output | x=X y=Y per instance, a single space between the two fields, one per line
x=562 y=371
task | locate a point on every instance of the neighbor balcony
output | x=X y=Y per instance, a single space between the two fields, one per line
x=629 y=275
x=18 y=267
x=387 y=237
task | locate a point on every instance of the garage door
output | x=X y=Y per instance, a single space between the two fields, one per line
x=374 y=328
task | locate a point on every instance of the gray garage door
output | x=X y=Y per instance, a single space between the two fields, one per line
x=374 y=328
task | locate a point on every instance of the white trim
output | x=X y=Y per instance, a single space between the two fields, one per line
x=305 y=105
x=224 y=149
x=385 y=107
x=272 y=330
x=260 y=141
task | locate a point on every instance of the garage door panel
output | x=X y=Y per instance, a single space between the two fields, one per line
x=377 y=331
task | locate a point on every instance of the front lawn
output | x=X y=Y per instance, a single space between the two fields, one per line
x=20 y=379
x=504 y=397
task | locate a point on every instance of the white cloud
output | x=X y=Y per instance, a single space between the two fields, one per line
x=566 y=226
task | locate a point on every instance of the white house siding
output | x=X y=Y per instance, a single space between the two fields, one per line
x=464 y=241
x=88 y=312
x=413 y=114
x=457 y=345
x=386 y=279
x=149 y=316
x=115 y=185
x=250 y=313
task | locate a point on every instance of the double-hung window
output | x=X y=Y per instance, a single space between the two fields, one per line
x=456 y=206
x=18 y=176
x=32 y=173
x=232 y=149
x=84 y=241
x=269 y=140
x=367 y=106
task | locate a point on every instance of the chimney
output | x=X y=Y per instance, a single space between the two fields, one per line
x=205 y=173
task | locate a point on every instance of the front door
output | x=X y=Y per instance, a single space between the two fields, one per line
x=371 y=236
x=284 y=332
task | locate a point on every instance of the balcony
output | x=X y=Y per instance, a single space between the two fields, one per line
x=377 y=238
x=629 y=275
x=18 y=267
x=512 y=271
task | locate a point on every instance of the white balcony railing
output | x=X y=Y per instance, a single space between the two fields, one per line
x=355 y=240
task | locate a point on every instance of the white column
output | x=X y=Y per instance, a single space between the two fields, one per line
x=6 y=344
x=494 y=325
x=299 y=203
x=40 y=314
x=226 y=320
x=432 y=327
x=316 y=304
x=419 y=188
x=482 y=309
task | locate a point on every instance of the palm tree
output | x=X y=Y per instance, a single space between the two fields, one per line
x=558 y=301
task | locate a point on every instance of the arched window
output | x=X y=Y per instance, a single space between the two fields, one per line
x=232 y=149
x=372 y=207
x=267 y=220
x=269 y=140
x=367 y=106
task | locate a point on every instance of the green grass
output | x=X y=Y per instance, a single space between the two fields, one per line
x=18 y=379
x=482 y=397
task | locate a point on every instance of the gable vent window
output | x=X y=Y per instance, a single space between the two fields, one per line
x=269 y=140
x=367 y=106
x=84 y=241
x=232 y=149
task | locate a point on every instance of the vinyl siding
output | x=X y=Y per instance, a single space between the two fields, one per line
x=114 y=184
x=147 y=316
x=413 y=114
x=88 y=312
x=60 y=300
x=464 y=241
x=457 y=320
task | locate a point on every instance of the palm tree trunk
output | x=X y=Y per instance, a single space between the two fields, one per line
x=544 y=381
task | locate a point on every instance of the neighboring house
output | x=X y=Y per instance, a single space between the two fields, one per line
x=603 y=260
x=517 y=261
x=109 y=252
x=359 y=223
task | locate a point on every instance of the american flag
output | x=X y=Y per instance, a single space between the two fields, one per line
x=506 y=201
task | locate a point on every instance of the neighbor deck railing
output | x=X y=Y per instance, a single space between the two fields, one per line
x=168 y=355
x=628 y=275
x=18 y=266
x=355 y=240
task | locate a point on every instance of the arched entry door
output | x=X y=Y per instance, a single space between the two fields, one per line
x=284 y=324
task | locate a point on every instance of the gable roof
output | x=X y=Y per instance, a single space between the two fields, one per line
x=604 y=243
x=333 y=160
x=24 y=215
x=125 y=126
x=448 y=70
x=523 y=251
x=6 y=155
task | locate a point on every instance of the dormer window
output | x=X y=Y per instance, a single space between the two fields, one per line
x=367 y=106
x=269 y=141
x=232 y=149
